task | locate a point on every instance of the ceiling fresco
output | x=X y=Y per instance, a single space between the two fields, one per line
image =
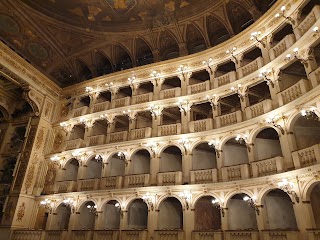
x=72 y=41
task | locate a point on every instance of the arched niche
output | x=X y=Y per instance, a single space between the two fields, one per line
x=234 y=153
x=116 y=166
x=83 y=102
x=138 y=215
x=306 y=132
x=279 y=210
x=217 y=31
x=258 y=93
x=63 y=75
x=103 y=64
x=61 y=218
x=99 y=128
x=315 y=205
x=84 y=72
x=171 y=159
x=93 y=169
x=201 y=111
x=86 y=218
x=41 y=218
x=111 y=216
x=140 y=162
x=207 y=216
x=71 y=171
x=240 y=214
x=121 y=123
x=267 y=144
x=77 y=132
x=170 y=214
x=195 y=40
x=168 y=46
x=122 y=58
x=144 y=54
x=239 y=17
x=203 y=157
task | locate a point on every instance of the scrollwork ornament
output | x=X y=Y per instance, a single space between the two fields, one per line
x=21 y=212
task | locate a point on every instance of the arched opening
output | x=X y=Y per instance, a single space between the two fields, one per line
x=194 y=39
x=170 y=116
x=103 y=102
x=278 y=207
x=116 y=166
x=84 y=72
x=93 y=169
x=144 y=54
x=171 y=87
x=77 y=132
x=201 y=117
x=241 y=216
x=283 y=35
x=140 y=162
x=144 y=93
x=121 y=123
x=239 y=17
x=61 y=218
x=87 y=217
x=204 y=157
x=99 y=128
x=103 y=65
x=138 y=215
x=111 y=216
x=217 y=31
x=267 y=144
x=309 y=5
x=170 y=214
x=168 y=46
x=144 y=120
x=122 y=59
x=315 y=204
x=225 y=73
x=71 y=171
x=229 y=104
x=259 y=94
x=171 y=159
x=234 y=153
x=207 y=216
x=199 y=82
x=253 y=57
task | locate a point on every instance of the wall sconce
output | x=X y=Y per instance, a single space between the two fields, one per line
x=153 y=147
x=243 y=140
x=183 y=106
x=89 y=89
x=266 y=75
x=46 y=204
x=185 y=143
x=88 y=123
x=287 y=187
x=156 y=76
x=67 y=127
x=214 y=144
x=98 y=158
x=209 y=64
x=109 y=85
x=80 y=156
x=186 y=196
x=123 y=156
x=310 y=114
x=217 y=205
x=131 y=79
x=241 y=91
x=69 y=203
x=255 y=35
x=273 y=120
x=183 y=69
x=252 y=203
x=282 y=14
x=149 y=200
x=214 y=100
x=155 y=111
x=93 y=209
x=231 y=52
x=56 y=160
x=118 y=206
x=315 y=31
x=297 y=56
x=106 y=117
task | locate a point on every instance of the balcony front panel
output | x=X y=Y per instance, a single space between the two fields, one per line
x=268 y=167
x=199 y=87
x=250 y=67
x=96 y=140
x=141 y=133
x=142 y=98
x=134 y=234
x=204 y=176
x=74 y=144
x=307 y=156
x=137 y=180
x=201 y=125
x=27 y=235
x=293 y=92
x=171 y=129
x=106 y=235
x=88 y=184
x=80 y=111
x=169 y=234
x=282 y=46
x=229 y=119
x=308 y=22
x=258 y=109
x=225 y=79
x=66 y=186
x=117 y=137
x=242 y=235
x=81 y=234
x=170 y=93
x=111 y=182
x=281 y=234
x=234 y=173
x=169 y=178
x=120 y=102
x=207 y=235
x=56 y=235
x=99 y=107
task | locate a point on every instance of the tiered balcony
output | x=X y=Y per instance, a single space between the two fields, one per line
x=56 y=235
x=74 y=144
x=117 y=137
x=204 y=176
x=137 y=180
x=308 y=22
x=142 y=98
x=293 y=92
x=258 y=109
x=88 y=184
x=250 y=67
x=81 y=234
x=206 y=235
x=229 y=119
x=235 y=173
x=120 y=102
x=168 y=234
x=106 y=235
x=111 y=182
x=281 y=234
x=134 y=234
x=282 y=46
x=201 y=125
x=169 y=178
x=99 y=107
x=224 y=79
x=96 y=140
x=171 y=129
x=268 y=167
x=80 y=111
x=170 y=93
x=66 y=186
x=141 y=133
x=199 y=87
x=241 y=235
x=307 y=156
x=313 y=234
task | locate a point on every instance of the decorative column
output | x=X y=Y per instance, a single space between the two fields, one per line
x=184 y=107
x=186 y=160
x=211 y=69
x=184 y=77
x=154 y=165
x=93 y=99
x=157 y=82
x=156 y=113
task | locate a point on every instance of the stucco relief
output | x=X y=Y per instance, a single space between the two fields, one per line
x=21 y=212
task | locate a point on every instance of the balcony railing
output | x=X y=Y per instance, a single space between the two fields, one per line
x=99 y=107
x=56 y=235
x=207 y=235
x=111 y=182
x=74 y=144
x=199 y=87
x=281 y=234
x=171 y=129
x=282 y=46
x=96 y=140
x=224 y=79
x=141 y=133
x=169 y=178
x=66 y=186
x=142 y=98
x=168 y=234
x=80 y=111
x=106 y=235
x=242 y=235
x=267 y=167
x=88 y=184
x=259 y=109
x=81 y=234
x=307 y=23
x=229 y=119
x=234 y=173
x=137 y=180
x=251 y=67
x=170 y=93
x=204 y=176
x=307 y=156
x=134 y=234
x=120 y=102
x=293 y=92
x=27 y=235
x=117 y=137
x=201 y=125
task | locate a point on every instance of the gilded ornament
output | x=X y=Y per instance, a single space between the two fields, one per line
x=29 y=177
x=21 y=212
x=39 y=139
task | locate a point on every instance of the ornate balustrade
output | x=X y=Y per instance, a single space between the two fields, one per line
x=241 y=235
x=282 y=46
x=308 y=22
x=207 y=235
x=111 y=182
x=204 y=176
x=27 y=235
x=168 y=234
x=281 y=235
x=293 y=92
x=142 y=98
x=170 y=93
x=120 y=102
x=56 y=235
x=307 y=156
x=199 y=87
x=88 y=184
x=229 y=119
x=234 y=173
x=171 y=129
x=96 y=140
x=80 y=111
x=258 y=109
x=81 y=234
x=141 y=133
x=225 y=79
x=137 y=180
x=74 y=144
x=65 y=186
x=250 y=67
x=106 y=235
x=117 y=137
x=99 y=107
x=201 y=125
x=267 y=167
x=134 y=234
x=169 y=178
